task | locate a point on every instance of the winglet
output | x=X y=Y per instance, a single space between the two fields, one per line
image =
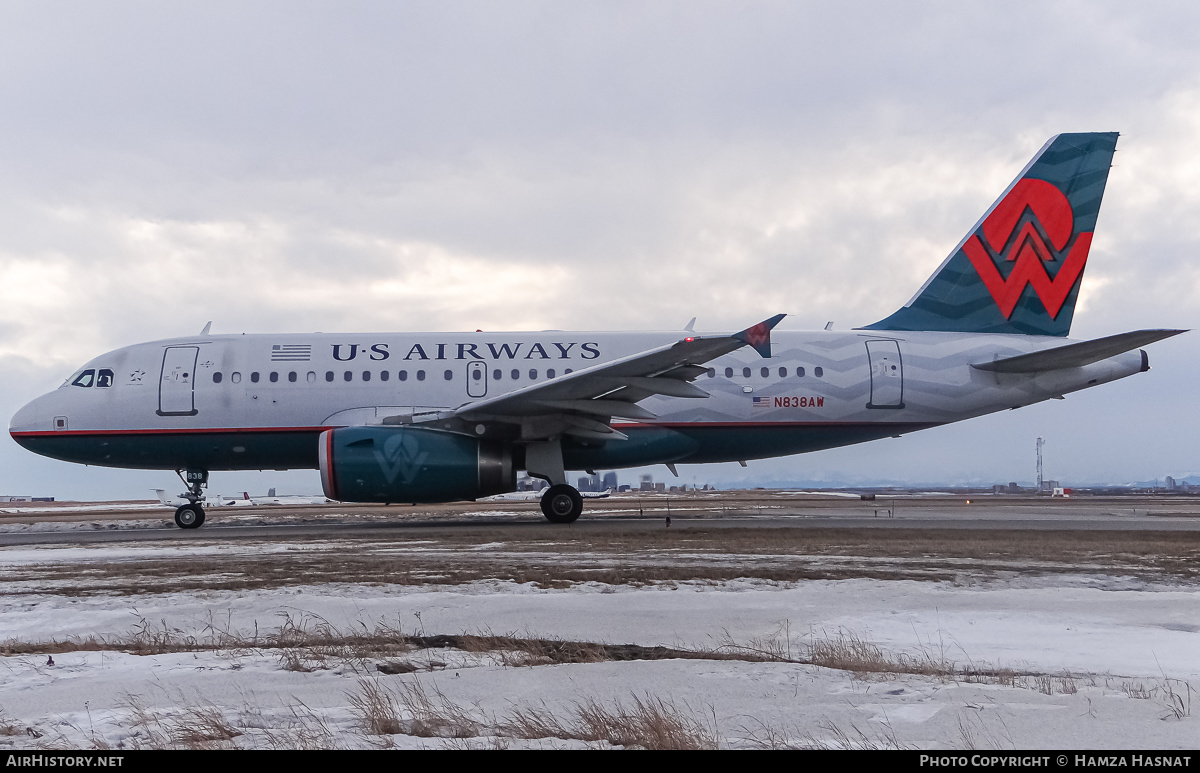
x=759 y=336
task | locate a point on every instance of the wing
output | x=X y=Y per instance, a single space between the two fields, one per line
x=583 y=403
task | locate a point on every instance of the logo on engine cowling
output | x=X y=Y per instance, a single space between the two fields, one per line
x=401 y=456
x=1041 y=239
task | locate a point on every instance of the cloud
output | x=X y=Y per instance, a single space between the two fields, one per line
x=295 y=167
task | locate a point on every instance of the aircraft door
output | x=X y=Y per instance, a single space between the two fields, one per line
x=887 y=374
x=476 y=379
x=176 y=387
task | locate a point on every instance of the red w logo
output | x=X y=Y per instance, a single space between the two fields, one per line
x=1030 y=252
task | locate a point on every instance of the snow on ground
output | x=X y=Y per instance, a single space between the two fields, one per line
x=1096 y=661
x=1127 y=650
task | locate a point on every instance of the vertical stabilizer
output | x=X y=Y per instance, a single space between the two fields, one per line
x=1019 y=269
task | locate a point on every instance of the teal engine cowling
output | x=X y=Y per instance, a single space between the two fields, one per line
x=412 y=464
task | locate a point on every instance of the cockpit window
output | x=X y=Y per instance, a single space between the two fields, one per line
x=85 y=379
x=104 y=378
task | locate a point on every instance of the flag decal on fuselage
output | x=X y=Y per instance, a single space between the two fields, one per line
x=291 y=352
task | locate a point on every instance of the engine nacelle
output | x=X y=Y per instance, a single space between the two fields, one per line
x=411 y=464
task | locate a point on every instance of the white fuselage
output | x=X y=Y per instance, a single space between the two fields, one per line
x=259 y=401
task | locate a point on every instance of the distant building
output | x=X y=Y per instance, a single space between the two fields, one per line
x=609 y=482
x=1170 y=483
x=645 y=483
x=589 y=483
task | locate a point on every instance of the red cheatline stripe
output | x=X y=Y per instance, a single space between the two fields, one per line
x=332 y=493
x=176 y=431
x=622 y=425
x=776 y=424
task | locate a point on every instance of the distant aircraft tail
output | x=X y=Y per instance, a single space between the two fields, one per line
x=1019 y=269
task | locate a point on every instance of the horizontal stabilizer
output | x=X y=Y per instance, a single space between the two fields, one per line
x=1076 y=355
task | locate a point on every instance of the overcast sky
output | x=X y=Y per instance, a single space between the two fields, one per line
x=292 y=166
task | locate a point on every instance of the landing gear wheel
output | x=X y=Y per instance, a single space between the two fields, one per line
x=189 y=517
x=561 y=504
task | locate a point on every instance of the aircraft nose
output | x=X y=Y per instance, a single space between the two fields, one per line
x=36 y=415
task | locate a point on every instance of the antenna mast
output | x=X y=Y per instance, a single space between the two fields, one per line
x=1040 y=443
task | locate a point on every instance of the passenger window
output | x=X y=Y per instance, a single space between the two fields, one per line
x=384 y=375
x=448 y=375
x=254 y=377
x=799 y=372
x=84 y=379
x=216 y=378
x=516 y=375
x=712 y=372
x=347 y=376
x=292 y=377
x=104 y=378
x=533 y=373
x=235 y=377
x=550 y=373
x=729 y=373
x=329 y=375
x=311 y=377
x=274 y=377
x=402 y=375
x=366 y=375
x=420 y=375
x=745 y=373
x=818 y=371
x=766 y=372
x=496 y=374
x=568 y=370
x=477 y=374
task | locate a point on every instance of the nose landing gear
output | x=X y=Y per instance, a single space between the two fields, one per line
x=191 y=515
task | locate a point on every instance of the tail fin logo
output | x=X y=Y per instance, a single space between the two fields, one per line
x=1032 y=244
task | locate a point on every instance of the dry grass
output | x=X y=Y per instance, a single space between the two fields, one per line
x=304 y=729
x=306 y=643
x=836 y=738
x=1175 y=695
x=830 y=737
x=196 y=726
x=8 y=727
x=644 y=723
x=847 y=651
x=410 y=710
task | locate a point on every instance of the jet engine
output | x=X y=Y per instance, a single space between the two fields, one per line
x=411 y=464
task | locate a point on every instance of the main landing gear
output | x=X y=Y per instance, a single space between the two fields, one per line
x=561 y=503
x=191 y=515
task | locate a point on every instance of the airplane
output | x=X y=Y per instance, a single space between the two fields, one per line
x=536 y=496
x=433 y=417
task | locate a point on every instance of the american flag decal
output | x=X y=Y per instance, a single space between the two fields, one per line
x=762 y=402
x=291 y=352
